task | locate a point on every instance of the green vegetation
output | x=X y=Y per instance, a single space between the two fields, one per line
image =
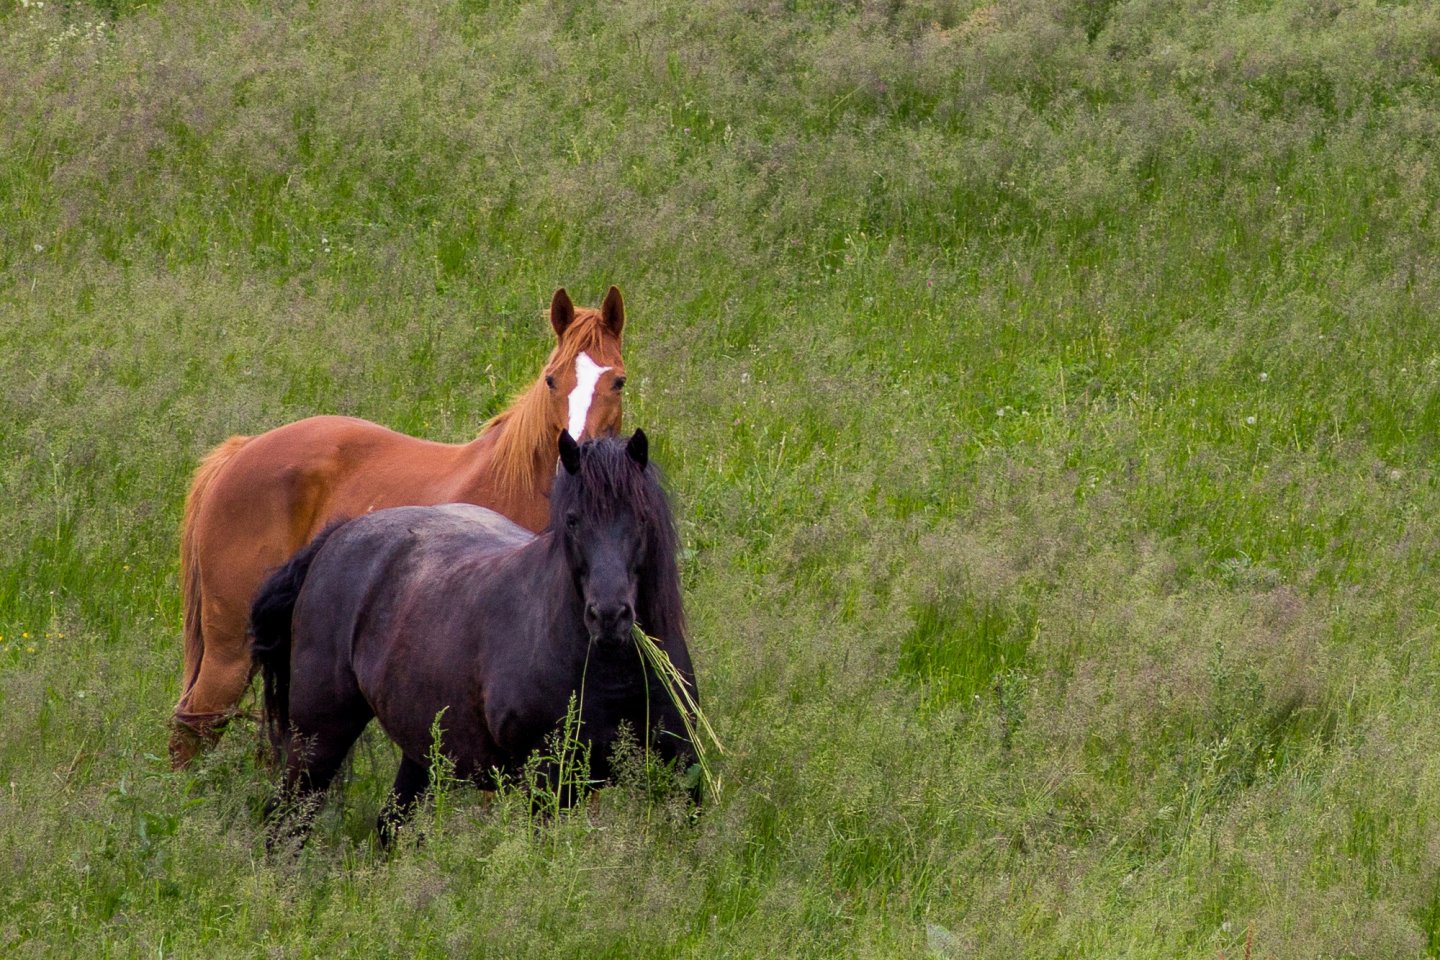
x=1050 y=391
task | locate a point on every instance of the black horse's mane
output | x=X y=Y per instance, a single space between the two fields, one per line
x=610 y=482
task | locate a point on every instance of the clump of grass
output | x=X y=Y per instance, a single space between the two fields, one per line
x=678 y=689
x=556 y=777
x=957 y=649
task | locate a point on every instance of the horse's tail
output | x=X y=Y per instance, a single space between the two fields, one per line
x=189 y=559
x=270 y=636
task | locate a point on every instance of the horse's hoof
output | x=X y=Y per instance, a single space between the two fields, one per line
x=192 y=733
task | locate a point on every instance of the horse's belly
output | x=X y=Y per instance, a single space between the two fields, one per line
x=415 y=697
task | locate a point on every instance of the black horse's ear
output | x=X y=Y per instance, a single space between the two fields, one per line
x=639 y=448
x=569 y=452
x=612 y=311
x=562 y=312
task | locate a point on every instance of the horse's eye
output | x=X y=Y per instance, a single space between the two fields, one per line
x=619 y=383
x=572 y=523
x=550 y=381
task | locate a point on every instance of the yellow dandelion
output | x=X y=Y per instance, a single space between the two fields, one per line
x=30 y=649
x=24 y=636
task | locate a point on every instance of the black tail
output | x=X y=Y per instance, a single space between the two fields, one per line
x=270 y=615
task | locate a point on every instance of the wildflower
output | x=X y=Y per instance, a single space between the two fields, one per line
x=24 y=636
x=39 y=248
x=1250 y=420
x=1264 y=376
x=30 y=648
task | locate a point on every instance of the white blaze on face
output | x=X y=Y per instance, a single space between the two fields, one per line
x=587 y=374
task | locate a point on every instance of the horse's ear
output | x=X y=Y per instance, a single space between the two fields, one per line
x=562 y=312
x=639 y=448
x=569 y=453
x=612 y=311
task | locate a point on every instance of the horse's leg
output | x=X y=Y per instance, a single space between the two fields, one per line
x=313 y=756
x=224 y=676
x=411 y=781
x=327 y=715
x=260 y=524
x=194 y=728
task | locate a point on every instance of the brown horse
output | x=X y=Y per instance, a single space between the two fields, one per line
x=256 y=500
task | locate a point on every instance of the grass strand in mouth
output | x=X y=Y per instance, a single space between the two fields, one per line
x=681 y=694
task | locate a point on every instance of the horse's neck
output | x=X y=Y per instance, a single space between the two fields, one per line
x=560 y=639
x=505 y=473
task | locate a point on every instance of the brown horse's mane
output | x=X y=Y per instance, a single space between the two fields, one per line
x=524 y=448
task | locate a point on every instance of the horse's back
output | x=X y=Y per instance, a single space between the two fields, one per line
x=376 y=560
x=320 y=456
x=462 y=526
x=284 y=485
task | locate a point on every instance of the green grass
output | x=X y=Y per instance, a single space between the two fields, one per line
x=1050 y=392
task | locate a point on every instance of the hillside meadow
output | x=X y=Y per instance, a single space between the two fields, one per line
x=1048 y=390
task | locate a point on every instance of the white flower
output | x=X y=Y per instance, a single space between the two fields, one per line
x=1250 y=420
x=39 y=248
x=1264 y=376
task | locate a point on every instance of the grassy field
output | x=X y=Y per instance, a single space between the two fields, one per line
x=1050 y=393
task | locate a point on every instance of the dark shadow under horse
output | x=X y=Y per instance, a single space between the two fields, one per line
x=413 y=613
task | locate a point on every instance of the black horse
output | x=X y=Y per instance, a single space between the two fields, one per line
x=414 y=613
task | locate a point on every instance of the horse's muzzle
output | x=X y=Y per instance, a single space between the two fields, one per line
x=610 y=625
